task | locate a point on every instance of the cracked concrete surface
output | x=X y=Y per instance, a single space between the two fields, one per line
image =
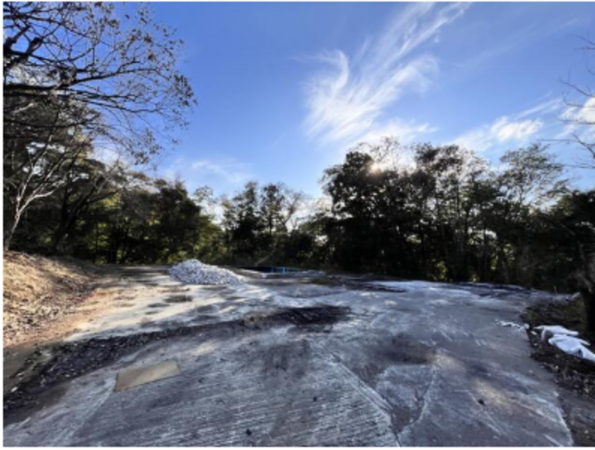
x=413 y=364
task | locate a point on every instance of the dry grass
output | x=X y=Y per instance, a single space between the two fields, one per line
x=38 y=292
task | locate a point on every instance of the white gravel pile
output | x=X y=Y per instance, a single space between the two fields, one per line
x=194 y=272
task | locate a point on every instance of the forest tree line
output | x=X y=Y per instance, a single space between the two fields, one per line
x=446 y=215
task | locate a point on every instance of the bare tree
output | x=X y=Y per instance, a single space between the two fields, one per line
x=106 y=75
x=580 y=118
x=580 y=113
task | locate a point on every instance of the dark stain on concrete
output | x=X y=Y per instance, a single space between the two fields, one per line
x=174 y=289
x=379 y=354
x=401 y=349
x=315 y=315
x=205 y=309
x=290 y=361
x=178 y=299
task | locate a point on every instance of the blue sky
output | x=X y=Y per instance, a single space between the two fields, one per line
x=284 y=89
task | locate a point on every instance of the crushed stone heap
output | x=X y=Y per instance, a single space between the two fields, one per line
x=194 y=272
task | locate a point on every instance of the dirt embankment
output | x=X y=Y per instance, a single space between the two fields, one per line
x=40 y=292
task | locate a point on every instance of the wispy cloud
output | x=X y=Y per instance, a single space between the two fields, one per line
x=230 y=170
x=502 y=130
x=517 y=129
x=581 y=114
x=218 y=173
x=579 y=120
x=544 y=108
x=506 y=130
x=277 y=141
x=516 y=40
x=406 y=132
x=348 y=99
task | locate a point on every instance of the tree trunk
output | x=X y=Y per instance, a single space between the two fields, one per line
x=588 y=295
x=10 y=234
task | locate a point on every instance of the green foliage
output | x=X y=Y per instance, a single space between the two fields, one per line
x=450 y=217
x=447 y=216
x=257 y=221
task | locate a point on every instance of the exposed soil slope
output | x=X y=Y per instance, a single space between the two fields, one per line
x=40 y=291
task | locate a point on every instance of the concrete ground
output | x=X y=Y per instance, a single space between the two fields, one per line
x=365 y=363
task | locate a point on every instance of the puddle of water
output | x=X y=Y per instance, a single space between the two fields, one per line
x=137 y=376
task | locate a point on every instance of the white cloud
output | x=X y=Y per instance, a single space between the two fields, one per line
x=580 y=121
x=502 y=130
x=220 y=174
x=581 y=114
x=406 y=132
x=517 y=128
x=230 y=170
x=552 y=122
x=348 y=99
x=546 y=107
x=506 y=130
